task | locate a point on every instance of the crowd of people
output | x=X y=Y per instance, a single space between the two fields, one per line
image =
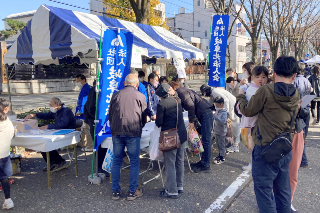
x=255 y=109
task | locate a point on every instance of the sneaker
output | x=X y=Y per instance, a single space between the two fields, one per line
x=196 y=164
x=304 y=166
x=219 y=160
x=8 y=204
x=203 y=169
x=11 y=181
x=314 y=121
x=166 y=195
x=233 y=148
x=131 y=196
x=86 y=150
x=317 y=123
x=293 y=210
x=115 y=195
x=247 y=168
x=180 y=191
x=126 y=160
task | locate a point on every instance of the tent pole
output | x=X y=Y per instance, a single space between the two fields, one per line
x=97 y=97
x=9 y=92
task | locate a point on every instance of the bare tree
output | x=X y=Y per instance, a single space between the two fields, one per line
x=279 y=15
x=141 y=10
x=314 y=39
x=303 y=28
x=226 y=7
x=255 y=11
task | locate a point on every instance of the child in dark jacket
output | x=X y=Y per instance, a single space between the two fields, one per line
x=220 y=128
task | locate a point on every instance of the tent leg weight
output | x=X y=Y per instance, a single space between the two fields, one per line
x=95 y=179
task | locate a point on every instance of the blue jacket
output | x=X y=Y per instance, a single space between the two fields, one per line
x=153 y=100
x=64 y=118
x=145 y=83
x=143 y=90
x=82 y=99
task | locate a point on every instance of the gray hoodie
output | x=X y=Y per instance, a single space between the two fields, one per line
x=6 y=134
x=220 y=122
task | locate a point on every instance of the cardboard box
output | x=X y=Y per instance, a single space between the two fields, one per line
x=25 y=126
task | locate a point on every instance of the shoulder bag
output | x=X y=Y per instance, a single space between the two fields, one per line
x=169 y=139
x=279 y=147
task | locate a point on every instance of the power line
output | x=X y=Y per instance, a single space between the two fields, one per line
x=125 y=17
x=87 y=9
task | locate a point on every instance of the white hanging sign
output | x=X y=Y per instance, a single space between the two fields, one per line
x=136 y=60
x=180 y=66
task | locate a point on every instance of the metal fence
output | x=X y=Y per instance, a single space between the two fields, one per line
x=45 y=73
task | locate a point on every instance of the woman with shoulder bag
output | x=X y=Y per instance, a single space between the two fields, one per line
x=169 y=116
x=315 y=83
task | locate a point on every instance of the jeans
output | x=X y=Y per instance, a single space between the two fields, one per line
x=304 y=161
x=271 y=183
x=174 y=162
x=313 y=107
x=133 y=149
x=206 y=121
x=221 y=142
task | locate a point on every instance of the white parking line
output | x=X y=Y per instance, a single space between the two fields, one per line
x=229 y=192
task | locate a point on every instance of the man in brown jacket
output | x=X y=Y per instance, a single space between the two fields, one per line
x=274 y=103
x=127 y=117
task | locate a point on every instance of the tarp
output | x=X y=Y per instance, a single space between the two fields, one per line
x=54 y=33
x=314 y=60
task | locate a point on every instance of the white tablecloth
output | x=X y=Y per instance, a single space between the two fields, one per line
x=145 y=137
x=45 y=142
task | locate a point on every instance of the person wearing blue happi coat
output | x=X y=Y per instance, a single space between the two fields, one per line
x=83 y=95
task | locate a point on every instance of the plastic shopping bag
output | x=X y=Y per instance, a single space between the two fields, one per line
x=244 y=136
x=194 y=142
x=154 y=152
x=107 y=163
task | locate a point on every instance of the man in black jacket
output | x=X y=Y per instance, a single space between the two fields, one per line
x=64 y=119
x=200 y=108
x=127 y=118
x=89 y=114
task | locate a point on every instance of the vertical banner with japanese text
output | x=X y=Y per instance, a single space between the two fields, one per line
x=116 y=54
x=218 y=49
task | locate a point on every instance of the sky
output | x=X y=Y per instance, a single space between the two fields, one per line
x=9 y=7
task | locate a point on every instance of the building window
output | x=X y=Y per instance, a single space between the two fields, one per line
x=198 y=23
x=205 y=33
x=199 y=3
x=241 y=48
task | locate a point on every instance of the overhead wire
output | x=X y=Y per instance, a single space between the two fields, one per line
x=75 y=6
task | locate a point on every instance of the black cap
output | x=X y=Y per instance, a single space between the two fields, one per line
x=163 y=90
x=203 y=88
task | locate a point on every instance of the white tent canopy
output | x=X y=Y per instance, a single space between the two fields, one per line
x=55 y=33
x=314 y=60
